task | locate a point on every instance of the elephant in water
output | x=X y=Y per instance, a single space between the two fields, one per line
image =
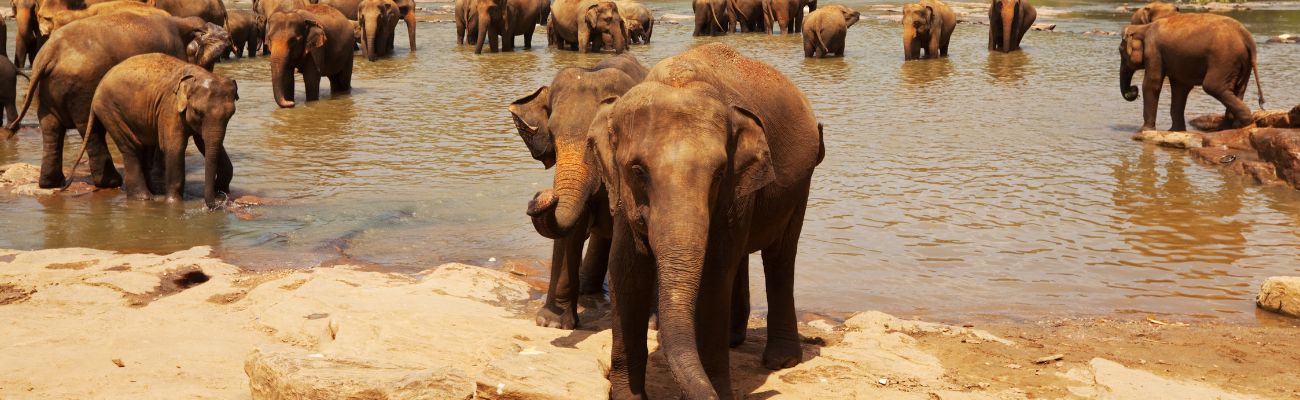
x=1152 y=12
x=825 y=29
x=315 y=40
x=706 y=161
x=927 y=26
x=581 y=24
x=1008 y=22
x=1213 y=51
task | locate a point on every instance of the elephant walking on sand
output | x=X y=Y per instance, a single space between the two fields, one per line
x=554 y=121
x=1213 y=51
x=1008 y=22
x=927 y=26
x=825 y=30
x=64 y=78
x=316 y=41
x=706 y=161
x=152 y=105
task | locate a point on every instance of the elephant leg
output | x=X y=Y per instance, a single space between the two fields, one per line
x=740 y=304
x=1151 y=86
x=156 y=166
x=632 y=281
x=713 y=315
x=1222 y=90
x=595 y=265
x=700 y=27
x=1178 y=105
x=783 y=349
x=173 y=152
x=341 y=82
x=807 y=46
x=136 y=185
x=528 y=41
x=561 y=307
x=52 y=134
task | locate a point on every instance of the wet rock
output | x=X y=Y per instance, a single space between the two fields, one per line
x=1262 y=119
x=1099 y=32
x=1280 y=294
x=1181 y=140
x=20 y=178
x=298 y=375
x=1043 y=27
x=1230 y=138
x=1287 y=38
x=1239 y=161
x=1281 y=147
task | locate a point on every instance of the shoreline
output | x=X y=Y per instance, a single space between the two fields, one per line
x=189 y=325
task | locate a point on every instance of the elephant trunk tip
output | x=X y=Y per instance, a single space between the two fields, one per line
x=541 y=209
x=1131 y=93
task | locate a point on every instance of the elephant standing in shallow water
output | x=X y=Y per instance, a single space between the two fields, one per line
x=706 y=161
x=580 y=24
x=1213 y=51
x=927 y=26
x=317 y=41
x=554 y=122
x=1008 y=22
x=826 y=29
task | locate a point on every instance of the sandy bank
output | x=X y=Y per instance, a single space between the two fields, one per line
x=81 y=323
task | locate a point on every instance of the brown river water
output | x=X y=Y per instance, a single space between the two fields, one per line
x=979 y=186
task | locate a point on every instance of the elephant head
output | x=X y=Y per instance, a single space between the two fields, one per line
x=28 y=33
x=296 y=40
x=1131 y=59
x=373 y=20
x=602 y=18
x=47 y=10
x=553 y=121
x=676 y=162
x=1009 y=13
x=918 y=22
x=634 y=29
x=1152 y=12
x=488 y=13
x=205 y=102
x=208 y=42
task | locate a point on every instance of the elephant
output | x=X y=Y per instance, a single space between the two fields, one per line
x=406 y=9
x=787 y=14
x=712 y=17
x=707 y=160
x=553 y=121
x=316 y=40
x=8 y=88
x=64 y=78
x=581 y=24
x=246 y=33
x=267 y=7
x=927 y=26
x=466 y=21
x=349 y=8
x=825 y=29
x=213 y=11
x=377 y=20
x=1213 y=51
x=522 y=17
x=1008 y=22
x=4 y=37
x=27 y=39
x=46 y=10
x=151 y=105
x=491 y=26
x=1152 y=12
x=639 y=21
x=66 y=17
x=750 y=16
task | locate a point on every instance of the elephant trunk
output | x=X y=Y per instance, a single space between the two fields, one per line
x=24 y=19
x=679 y=241
x=909 y=36
x=410 y=26
x=369 y=32
x=619 y=36
x=212 y=139
x=484 y=22
x=1126 y=87
x=1009 y=20
x=555 y=211
x=281 y=75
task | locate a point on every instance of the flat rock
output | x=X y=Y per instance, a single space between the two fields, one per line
x=1106 y=379
x=298 y=375
x=1280 y=294
x=1181 y=140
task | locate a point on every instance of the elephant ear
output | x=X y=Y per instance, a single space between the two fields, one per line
x=751 y=160
x=1142 y=16
x=591 y=15
x=600 y=154
x=183 y=92
x=531 y=114
x=315 y=40
x=854 y=16
x=1133 y=42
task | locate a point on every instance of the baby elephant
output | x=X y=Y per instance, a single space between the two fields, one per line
x=153 y=104
x=824 y=30
x=927 y=25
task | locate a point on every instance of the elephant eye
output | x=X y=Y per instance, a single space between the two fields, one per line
x=641 y=175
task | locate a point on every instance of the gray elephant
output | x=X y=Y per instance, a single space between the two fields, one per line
x=553 y=121
x=316 y=41
x=706 y=161
x=825 y=29
x=750 y=16
x=580 y=25
x=152 y=105
x=377 y=22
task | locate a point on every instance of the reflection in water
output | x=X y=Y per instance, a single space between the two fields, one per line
x=1007 y=68
x=1018 y=198
x=919 y=73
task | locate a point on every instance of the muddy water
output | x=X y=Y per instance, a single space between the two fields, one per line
x=982 y=185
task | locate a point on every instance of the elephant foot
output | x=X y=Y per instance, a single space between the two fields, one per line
x=566 y=319
x=737 y=338
x=50 y=181
x=110 y=180
x=779 y=356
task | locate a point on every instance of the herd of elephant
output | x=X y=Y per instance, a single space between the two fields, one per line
x=141 y=72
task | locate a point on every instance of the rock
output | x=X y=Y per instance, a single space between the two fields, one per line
x=1280 y=294
x=531 y=373
x=1099 y=32
x=1262 y=119
x=294 y=375
x=1231 y=138
x=1281 y=147
x=1043 y=27
x=1287 y=38
x=1181 y=140
x=1105 y=379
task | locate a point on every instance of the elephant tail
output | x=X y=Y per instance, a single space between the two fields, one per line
x=24 y=75
x=33 y=81
x=1259 y=88
x=90 y=130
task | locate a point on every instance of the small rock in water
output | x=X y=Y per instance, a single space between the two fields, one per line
x=1286 y=38
x=1280 y=294
x=1043 y=27
x=1099 y=32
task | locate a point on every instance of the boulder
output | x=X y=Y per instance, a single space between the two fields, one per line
x=1043 y=27
x=1263 y=119
x=1181 y=140
x=1238 y=139
x=1280 y=294
x=1287 y=38
x=298 y=375
x=1281 y=147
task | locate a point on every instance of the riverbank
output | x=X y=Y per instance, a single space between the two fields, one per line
x=84 y=323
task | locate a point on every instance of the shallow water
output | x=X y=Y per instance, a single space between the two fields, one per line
x=982 y=185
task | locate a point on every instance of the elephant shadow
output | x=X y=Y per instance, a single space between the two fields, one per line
x=1007 y=68
x=920 y=73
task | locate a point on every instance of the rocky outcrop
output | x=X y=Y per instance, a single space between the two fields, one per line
x=1262 y=119
x=1280 y=294
x=1281 y=147
x=1268 y=152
